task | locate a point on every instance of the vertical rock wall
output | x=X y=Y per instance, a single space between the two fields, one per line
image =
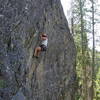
x=52 y=76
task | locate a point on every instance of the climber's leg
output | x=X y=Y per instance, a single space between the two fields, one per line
x=37 y=51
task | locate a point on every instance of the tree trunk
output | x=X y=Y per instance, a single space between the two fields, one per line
x=93 y=53
x=83 y=44
x=72 y=26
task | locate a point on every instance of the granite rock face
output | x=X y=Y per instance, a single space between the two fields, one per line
x=52 y=76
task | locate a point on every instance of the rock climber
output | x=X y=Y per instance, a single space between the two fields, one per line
x=42 y=46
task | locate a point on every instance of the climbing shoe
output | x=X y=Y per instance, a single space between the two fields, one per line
x=35 y=57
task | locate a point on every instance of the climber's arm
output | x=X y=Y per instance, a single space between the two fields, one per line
x=44 y=38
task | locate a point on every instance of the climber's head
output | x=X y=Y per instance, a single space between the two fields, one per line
x=44 y=35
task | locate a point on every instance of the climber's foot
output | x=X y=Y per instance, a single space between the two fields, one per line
x=35 y=56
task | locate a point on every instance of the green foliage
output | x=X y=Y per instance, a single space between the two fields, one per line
x=97 y=80
x=97 y=88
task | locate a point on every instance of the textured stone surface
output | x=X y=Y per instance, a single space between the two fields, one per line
x=52 y=76
x=19 y=96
